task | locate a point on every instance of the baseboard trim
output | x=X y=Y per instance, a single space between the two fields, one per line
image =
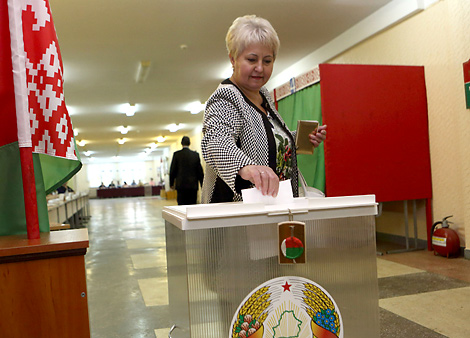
x=401 y=240
x=422 y=244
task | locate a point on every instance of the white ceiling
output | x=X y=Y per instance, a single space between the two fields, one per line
x=103 y=41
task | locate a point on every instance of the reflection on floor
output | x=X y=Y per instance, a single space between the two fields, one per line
x=421 y=295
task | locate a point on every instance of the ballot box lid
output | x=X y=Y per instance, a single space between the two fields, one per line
x=217 y=215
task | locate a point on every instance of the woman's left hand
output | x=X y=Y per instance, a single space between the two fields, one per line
x=318 y=136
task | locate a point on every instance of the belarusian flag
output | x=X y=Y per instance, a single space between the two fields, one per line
x=292 y=247
x=36 y=130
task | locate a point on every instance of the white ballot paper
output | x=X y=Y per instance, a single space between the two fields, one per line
x=266 y=237
x=284 y=196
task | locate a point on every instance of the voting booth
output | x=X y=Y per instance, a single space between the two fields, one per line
x=228 y=274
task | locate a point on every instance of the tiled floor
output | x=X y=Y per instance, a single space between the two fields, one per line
x=421 y=295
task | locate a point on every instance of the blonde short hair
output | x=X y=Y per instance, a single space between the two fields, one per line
x=250 y=29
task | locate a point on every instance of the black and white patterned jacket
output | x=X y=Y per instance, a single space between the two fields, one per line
x=235 y=134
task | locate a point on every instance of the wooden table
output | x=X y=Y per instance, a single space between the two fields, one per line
x=43 y=285
x=68 y=210
x=129 y=191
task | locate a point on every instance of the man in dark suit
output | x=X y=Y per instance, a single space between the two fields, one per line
x=186 y=170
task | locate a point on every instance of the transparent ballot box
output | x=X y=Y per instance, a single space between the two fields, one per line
x=303 y=269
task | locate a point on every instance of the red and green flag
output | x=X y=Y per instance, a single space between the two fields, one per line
x=466 y=78
x=292 y=247
x=37 y=147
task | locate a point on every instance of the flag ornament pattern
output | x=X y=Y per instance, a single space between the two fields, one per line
x=51 y=126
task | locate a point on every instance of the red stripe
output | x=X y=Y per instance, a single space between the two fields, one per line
x=466 y=71
x=275 y=99
x=293 y=242
x=8 y=126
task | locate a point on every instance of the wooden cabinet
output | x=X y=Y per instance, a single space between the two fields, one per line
x=43 y=285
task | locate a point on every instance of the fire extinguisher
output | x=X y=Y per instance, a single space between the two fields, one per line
x=445 y=241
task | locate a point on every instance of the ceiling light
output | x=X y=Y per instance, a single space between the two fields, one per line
x=75 y=132
x=153 y=146
x=142 y=71
x=82 y=143
x=71 y=110
x=130 y=109
x=122 y=140
x=174 y=127
x=195 y=107
x=124 y=129
x=161 y=139
x=87 y=153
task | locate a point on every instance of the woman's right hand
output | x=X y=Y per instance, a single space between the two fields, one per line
x=263 y=177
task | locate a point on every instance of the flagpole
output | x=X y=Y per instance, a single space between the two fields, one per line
x=22 y=115
x=29 y=192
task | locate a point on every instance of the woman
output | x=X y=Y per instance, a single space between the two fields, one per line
x=242 y=129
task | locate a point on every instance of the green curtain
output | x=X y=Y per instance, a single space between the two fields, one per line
x=12 y=207
x=306 y=105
